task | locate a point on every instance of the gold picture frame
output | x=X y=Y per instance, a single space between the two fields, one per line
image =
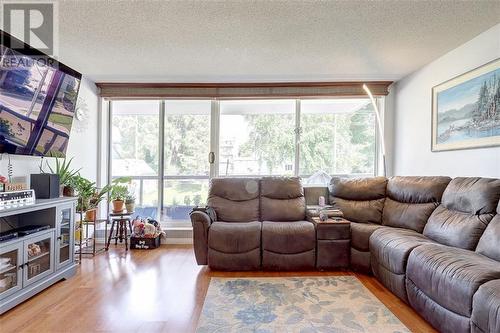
x=465 y=111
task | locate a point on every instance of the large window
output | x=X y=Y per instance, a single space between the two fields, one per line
x=164 y=145
x=337 y=137
x=257 y=137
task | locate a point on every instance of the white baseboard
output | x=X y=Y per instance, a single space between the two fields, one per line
x=172 y=240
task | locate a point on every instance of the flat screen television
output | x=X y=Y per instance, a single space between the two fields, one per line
x=38 y=98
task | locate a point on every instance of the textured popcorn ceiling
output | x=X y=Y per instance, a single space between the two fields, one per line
x=187 y=41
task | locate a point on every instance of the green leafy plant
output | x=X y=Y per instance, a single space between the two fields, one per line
x=89 y=196
x=118 y=189
x=98 y=196
x=187 y=200
x=85 y=190
x=63 y=169
x=129 y=198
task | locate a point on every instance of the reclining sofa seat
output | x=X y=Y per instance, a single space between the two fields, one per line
x=409 y=203
x=442 y=280
x=234 y=239
x=362 y=201
x=288 y=240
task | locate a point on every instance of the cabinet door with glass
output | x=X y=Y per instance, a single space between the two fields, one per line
x=38 y=257
x=11 y=264
x=64 y=235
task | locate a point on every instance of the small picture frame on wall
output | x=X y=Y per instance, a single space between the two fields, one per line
x=466 y=110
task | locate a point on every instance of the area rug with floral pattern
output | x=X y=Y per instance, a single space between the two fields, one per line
x=295 y=304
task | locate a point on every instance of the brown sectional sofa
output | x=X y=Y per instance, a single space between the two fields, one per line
x=433 y=241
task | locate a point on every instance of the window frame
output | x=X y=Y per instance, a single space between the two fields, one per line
x=106 y=125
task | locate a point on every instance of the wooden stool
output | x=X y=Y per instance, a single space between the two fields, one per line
x=121 y=220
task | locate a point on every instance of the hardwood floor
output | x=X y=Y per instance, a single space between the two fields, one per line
x=160 y=290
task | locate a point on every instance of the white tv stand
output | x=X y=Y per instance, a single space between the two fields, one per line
x=31 y=263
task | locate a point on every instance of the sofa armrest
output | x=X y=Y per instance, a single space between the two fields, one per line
x=201 y=222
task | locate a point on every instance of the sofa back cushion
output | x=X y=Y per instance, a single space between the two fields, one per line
x=282 y=199
x=360 y=199
x=489 y=243
x=235 y=199
x=411 y=200
x=468 y=205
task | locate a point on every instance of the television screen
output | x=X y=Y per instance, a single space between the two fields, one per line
x=37 y=102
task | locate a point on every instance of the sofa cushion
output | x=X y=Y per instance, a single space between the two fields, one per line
x=412 y=216
x=288 y=237
x=282 y=199
x=234 y=237
x=235 y=199
x=472 y=195
x=360 y=235
x=467 y=207
x=360 y=199
x=369 y=211
x=411 y=200
x=486 y=308
x=450 y=276
x=456 y=229
x=358 y=189
x=413 y=189
x=441 y=318
x=489 y=243
x=391 y=247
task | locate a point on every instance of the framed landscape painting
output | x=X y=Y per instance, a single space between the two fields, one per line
x=466 y=110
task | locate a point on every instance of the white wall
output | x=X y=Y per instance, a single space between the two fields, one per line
x=412 y=124
x=82 y=143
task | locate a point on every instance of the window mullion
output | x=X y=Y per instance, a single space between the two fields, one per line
x=214 y=137
x=161 y=157
x=298 y=131
x=109 y=152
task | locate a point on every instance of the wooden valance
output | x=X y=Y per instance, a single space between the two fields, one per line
x=241 y=90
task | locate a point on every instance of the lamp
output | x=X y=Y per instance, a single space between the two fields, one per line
x=379 y=124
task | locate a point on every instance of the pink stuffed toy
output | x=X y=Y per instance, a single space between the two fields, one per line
x=138 y=227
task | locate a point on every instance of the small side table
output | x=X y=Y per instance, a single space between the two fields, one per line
x=122 y=221
x=333 y=243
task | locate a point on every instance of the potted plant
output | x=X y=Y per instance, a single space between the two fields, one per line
x=66 y=176
x=118 y=193
x=85 y=189
x=94 y=201
x=89 y=196
x=130 y=202
x=98 y=196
